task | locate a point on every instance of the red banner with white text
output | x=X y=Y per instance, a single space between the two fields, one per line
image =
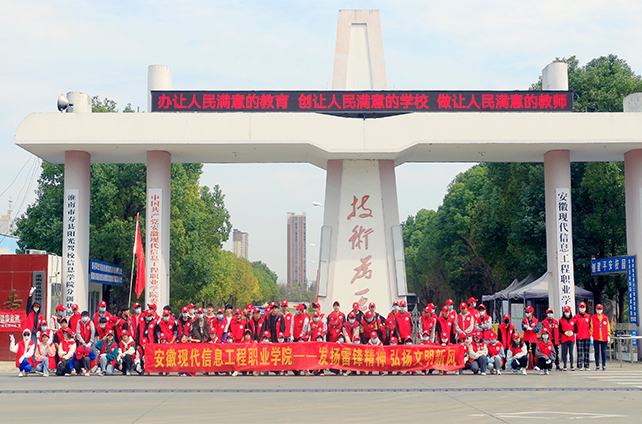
x=210 y=357
x=12 y=320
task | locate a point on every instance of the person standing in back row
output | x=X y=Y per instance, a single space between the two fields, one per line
x=600 y=330
x=583 y=332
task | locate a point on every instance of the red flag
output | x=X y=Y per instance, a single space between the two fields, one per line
x=140 y=261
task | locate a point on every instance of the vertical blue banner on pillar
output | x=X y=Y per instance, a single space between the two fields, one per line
x=633 y=289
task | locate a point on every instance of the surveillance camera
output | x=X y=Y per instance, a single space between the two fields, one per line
x=63 y=102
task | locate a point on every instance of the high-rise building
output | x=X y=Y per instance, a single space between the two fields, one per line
x=240 y=241
x=296 y=249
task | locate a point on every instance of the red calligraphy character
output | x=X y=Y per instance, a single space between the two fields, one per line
x=238 y=101
x=164 y=101
x=488 y=101
x=363 y=101
x=545 y=101
x=392 y=101
x=501 y=101
x=318 y=100
x=194 y=102
x=516 y=101
x=473 y=102
x=530 y=101
x=179 y=102
x=334 y=102
x=559 y=101
x=267 y=101
x=367 y=212
x=458 y=103
x=349 y=101
x=251 y=101
x=357 y=233
x=363 y=270
x=209 y=101
x=377 y=101
x=223 y=101
x=282 y=101
x=444 y=101
x=305 y=101
x=421 y=101
x=407 y=100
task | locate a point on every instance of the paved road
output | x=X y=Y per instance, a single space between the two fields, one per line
x=611 y=396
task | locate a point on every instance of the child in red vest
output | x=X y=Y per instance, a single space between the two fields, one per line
x=544 y=353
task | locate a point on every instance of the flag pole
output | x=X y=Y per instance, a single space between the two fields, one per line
x=131 y=279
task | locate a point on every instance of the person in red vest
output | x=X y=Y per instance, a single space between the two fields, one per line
x=351 y=327
x=301 y=326
x=463 y=341
x=368 y=325
x=119 y=324
x=256 y=324
x=334 y=322
x=496 y=354
x=285 y=322
x=357 y=312
x=374 y=339
x=317 y=327
x=167 y=325
x=33 y=315
x=201 y=329
x=126 y=354
x=517 y=355
x=86 y=331
x=403 y=324
x=483 y=322
x=101 y=329
x=531 y=327
x=478 y=352
x=465 y=322
x=452 y=313
x=505 y=332
x=567 y=334
x=472 y=306
x=583 y=334
x=44 y=355
x=66 y=351
x=74 y=319
x=600 y=329
x=107 y=353
x=428 y=322
x=553 y=327
x=54 y=321
x=545 y=353
x=24 y=351
x=237 y=326
x=101 y=313
x=134 y=320
x=445 y=324
x=391 y=328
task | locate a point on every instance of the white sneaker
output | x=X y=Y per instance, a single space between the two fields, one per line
x=547 y=372
x=523 y=371
x=536 y=368
x=45 y=375
x=499 y=372
x=541 y=372
x=21 y=374
x=483 y=373
x=235 y=373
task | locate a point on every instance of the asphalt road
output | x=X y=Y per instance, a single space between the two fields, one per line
x=608 y=396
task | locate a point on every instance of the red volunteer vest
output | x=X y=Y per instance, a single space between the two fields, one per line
x=600 y=327
x=545 y=348
x=583 y=326
x=552 y=325
x=567 y=325
x=285 y=325
x=22 y=348
x=299 y=322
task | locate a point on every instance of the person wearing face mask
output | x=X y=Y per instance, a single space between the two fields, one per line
x=357 y=311
x=135 y=319
x=553 y=327
x=483 y=322
x=168 y=326
x=465 y=343
x=219 y=329
x=317 y=326
x=24 y=351
x=145 y=332
x=54 y=321
x=118 y=323
x=300 y=324
x=184 y=322
x=428 y=322
x=102 y=328
x=496 y=354
x=600 y=330
x=334 y=322
x=478 y=352
x=452 y=313
x=374 y=339
x=583 y=334
x=472 y=306
x=200 y=328
x=272 y=321
x=530 y=326
x=350 y=327
x=237 y=326
x=107 y=353
x=544 y=353
x=285 y=322
x=66 y=351
x=256 y=324
x=33 y=315
x=101 y=313
x=517 y=355
x=445 y=324
x=567 y=333
x=74 y=319
x=505 y=332
x=369 y=324
x=43 y=328
x=85 y=331
x=465 y=322
x=403 y=323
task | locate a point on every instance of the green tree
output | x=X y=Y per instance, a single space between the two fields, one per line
x=268 y=289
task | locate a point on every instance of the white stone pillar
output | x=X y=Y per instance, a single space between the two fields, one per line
x=361 y=256
x=159 y=77
x=557 y=181
x=159 y=166
x=633 y=188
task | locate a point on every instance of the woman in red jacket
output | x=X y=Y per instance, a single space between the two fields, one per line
x=583 y=334
x=567 y=336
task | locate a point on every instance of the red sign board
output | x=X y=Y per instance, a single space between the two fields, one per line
x=361 y=103
x=12 y=321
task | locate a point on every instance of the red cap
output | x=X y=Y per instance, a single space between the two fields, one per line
x=125 y=333
x=60 y=308
x=430 y=306
x=114 y=318
x=151 y=306
x=372 y=305
x=165 y=312
x=567 y=308
x=80 y=351
x=549 y=311
x=266 y=334
x=449 y=302
x=356 y=337
x=529 y=309
x=200 y=311
x=445 y=335
x=426 y=332
x=599 y=306
x=300 y=307
x=493 y=335
x=102 y=303
x=191 y=305
x=481 y=307
x=249 y=307
x=478 y=334
x=355 y=305
x=352 y=315
x=184 y=310
x=317 y=314
x=444 y=309
x=219 y=311
x=148 y=312
x=109 y=332
x=582 y=304
x=280 y=336
x=472 y=299
x=162 y=336
x=392 y=340
x=257 y=310
x=506 y=316
x=284 y=303
x=402 y=303
x=74 y=306
x=373 y=335
x=516 y=335
x=463 y=305
x=545 y=331
x=43 y=335
x=396 y=302
x=136 y=305
x=316 y=305
x=238 y=311
x=369 y=314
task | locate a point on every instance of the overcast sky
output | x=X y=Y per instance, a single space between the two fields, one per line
x=104 y=48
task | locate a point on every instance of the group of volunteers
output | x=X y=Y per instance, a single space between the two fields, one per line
x=105 y=344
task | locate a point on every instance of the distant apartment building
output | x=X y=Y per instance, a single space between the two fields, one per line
x=240 y=242
x=296 y=249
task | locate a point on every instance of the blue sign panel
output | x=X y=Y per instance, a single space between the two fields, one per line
x=633 y=290
x=609 y=266
x=105 y=273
